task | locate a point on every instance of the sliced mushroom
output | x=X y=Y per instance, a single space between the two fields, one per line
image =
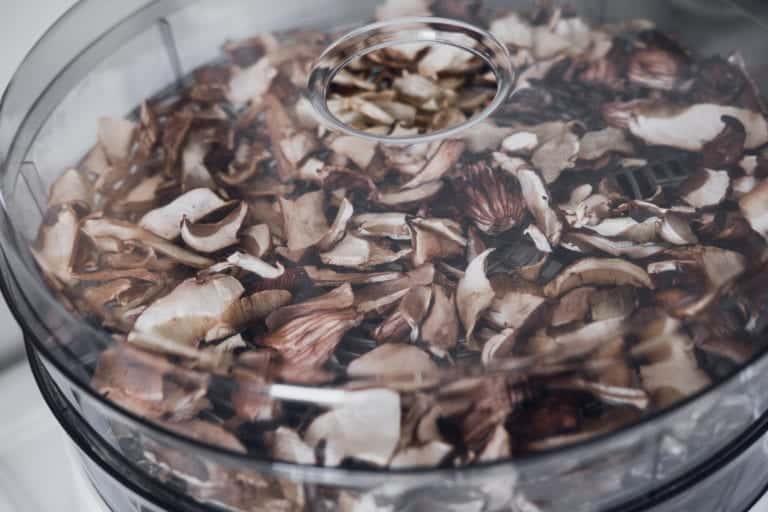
x=619 y=302
x=187 y=313
x=493 y=199
x=340 y=298
x=600 y=272
x=536 y=197
x=251 y=84
x=354 y=252
x=556 y=154
x=676 y=230
x=289 y=447
x=166 y=222
x=330 y=278
x=573 y=306
x=443 y=161
x=72 y=186
x=388 y=225
x=376 y=297
x=474 y=294
x=257 y=240
x=366 y=427
x=705 y=188
x=754 y=207
x=521 y=143
x=403 y=367
x=338 y=229
x=595 y=145
x=210 y=238
x=441 y=326
x=404 y=323
x=56 y=242
x=242 y=313
x=116 y=137
x=304 y=220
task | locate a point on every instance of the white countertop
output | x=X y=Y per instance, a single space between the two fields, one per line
x=36 y=474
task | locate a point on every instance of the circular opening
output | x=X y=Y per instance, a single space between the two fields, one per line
x=411 y=80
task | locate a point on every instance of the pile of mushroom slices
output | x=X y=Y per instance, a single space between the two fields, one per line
x=597 y=249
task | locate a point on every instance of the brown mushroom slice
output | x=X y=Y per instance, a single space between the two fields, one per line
x=399 y=366
x=669 y=368
x=573 y=306
x=377 y=297
x=105 y=228
x=71 y=186
x=243 y=312
x=289 y=144
x=309 y=340
x=365 y=427
x=338 y=229
x=116 y=136
x=583 y=242
x=304 y=220
x=257 y=240
x=493 y=199
x=598 y=272
x=250 y=264
x=166 y=221
x=340 y=298
x=324 y=277
x=474 y=294
x=288 y=446
x=382 y=225
x=446 y=157
x=187 y=313
x=595 y=145
x=514 y=310
x=404 y=323
x=131 y=371
x=429 y=455
x=210 y=238
x=251 y=84
x=706 y=188
x=409 y=196
x=687 y=127
x=359 y=253
x=56 y=242
x=754 y=207
x=429 y=245
x=441 y=326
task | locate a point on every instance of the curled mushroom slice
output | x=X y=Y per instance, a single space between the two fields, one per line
x=354 y=252
x=56 y=242
x=705 y=188
x=376 y=297
x=754 y=207
x=366 y=427
x=689 y=127
x=304 y=220
x=309 y=340
x=387 y=225
x=536 y=197
x=257 y=240
x=429 y=245
x=402 y=367
x=105 y=228
x=209 y=238
x=250 y=264
x=242 y=313
x=405 y=322
x=600 y=272
x=187 y=313
x=443 y=161
x=166 y=222
x=474 y=294
x=677 y=230
x=493 y=199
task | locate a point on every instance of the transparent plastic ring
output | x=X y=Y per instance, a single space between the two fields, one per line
x=377 y=36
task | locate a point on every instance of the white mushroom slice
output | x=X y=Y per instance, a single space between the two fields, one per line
x=354 y=252
x=539 y=239
x=70 y=187
x=514 y=310
x=706 y=188
x=165 y=222
x=441 y=327
x=676 y=230
x=257 y=240
x=360 y=151
x=402 y=112
x=393 y=9
x=754 y=207
x=690 y=128
x=536 y=198
x=366 y=427
x=251 y=84
x=187 y=313
x=382 y=225
x=598 y=272
x=304 y=220
x=413 y=195
x=210 y=238
x=56 y=243
x=671 y=371
x=324 y=277
x=521 y=143
x=116 y=137
x=256 y=265
x=595 y=145
x=416 y=87
x=474 y=294
x=429 y=455
x=486 y=136
x=395 y=360
x=99 y=228
x=443 y=161
x=557 y=154
x=613 y=227
x=143 y=196
x=288 y=446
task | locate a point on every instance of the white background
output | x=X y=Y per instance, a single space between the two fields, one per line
x=35 y=475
